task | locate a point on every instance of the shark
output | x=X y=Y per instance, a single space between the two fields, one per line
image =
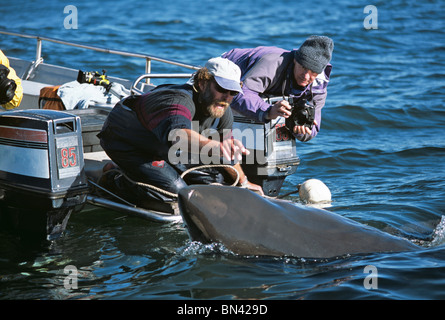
x=250 y=224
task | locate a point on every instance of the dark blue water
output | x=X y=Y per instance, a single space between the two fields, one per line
x=381 y=150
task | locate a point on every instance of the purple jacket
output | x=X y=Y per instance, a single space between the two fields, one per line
x=268 y=71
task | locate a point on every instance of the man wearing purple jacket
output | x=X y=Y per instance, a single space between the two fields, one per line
x=270 y=71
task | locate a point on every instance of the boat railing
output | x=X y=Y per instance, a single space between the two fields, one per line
x=148 y=58
x=136 y=90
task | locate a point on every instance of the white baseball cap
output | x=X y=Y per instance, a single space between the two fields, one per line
x=227 y=74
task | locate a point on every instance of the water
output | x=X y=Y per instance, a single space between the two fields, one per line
x=381 y=151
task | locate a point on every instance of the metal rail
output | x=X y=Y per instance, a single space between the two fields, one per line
x=148 y=58
x=135 y=90
x=135 y=211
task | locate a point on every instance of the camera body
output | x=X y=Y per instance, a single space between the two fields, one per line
x=7 y=86
x=94 y=78
x=303 y=114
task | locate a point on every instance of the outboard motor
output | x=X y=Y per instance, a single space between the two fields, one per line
x=42 y=176
x=273 y=155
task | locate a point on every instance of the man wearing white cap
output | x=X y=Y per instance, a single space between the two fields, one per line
x=137 y=134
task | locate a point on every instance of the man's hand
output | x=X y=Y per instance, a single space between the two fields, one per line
x=254 y=187
x=233 y=150
x=280 y=109
x=303 y=129
x=245 y=183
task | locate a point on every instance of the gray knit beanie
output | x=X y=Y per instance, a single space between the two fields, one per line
x=315 y=53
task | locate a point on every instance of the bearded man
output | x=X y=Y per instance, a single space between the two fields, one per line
x=141 y=132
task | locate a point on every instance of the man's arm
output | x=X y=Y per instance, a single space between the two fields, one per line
x=251 y=105
x=267 y=72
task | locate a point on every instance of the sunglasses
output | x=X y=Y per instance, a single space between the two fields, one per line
x=224 y=91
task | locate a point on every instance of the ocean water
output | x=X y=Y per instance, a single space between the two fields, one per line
x=381 y=151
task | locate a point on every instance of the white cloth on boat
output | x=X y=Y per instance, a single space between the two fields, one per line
x=80 y=96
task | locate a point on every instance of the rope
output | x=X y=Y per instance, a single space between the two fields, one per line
x=213 y=166
x=171 y=194
x=289 y=193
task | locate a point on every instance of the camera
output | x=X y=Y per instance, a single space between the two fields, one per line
x=7 y=86
x=94 y=78
x=303 y=114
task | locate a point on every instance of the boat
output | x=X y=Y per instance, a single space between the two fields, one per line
x=51 y=161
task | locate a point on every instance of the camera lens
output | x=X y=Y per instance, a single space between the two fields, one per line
x=11 y=90
x=7 y=90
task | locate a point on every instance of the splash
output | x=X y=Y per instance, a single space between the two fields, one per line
x=197 y=248
x=438 y=235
